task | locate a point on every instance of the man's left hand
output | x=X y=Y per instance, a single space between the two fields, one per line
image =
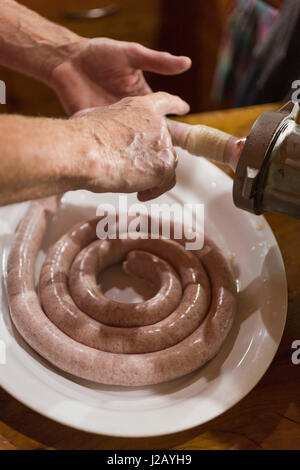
x=103 y=71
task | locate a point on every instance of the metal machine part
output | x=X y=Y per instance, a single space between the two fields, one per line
x=267 y=176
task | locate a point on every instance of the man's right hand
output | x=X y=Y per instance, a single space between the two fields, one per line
x=129 y=148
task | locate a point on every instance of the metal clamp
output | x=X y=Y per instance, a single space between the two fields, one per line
x=253 y=188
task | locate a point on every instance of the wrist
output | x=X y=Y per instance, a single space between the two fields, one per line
x=68 y=46
x=90 y=167
x=44 y=160
x=62 y=161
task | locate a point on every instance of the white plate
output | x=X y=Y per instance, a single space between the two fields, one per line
x=192 y=400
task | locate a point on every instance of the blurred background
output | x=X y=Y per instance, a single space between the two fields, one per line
x=222 y=37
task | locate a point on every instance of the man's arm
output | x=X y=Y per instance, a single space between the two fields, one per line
x=125 y=147
x=31 y=44
x=39 y=157
x=83 y=72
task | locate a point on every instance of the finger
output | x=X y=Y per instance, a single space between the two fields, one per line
x=164 y=103
x=153 y=193
x=165 y=181
x=179 y=132
x=158 y=62
x=176 y=159
x=82 y=112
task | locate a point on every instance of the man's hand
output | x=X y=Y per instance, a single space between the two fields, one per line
x=124 y=147
x=103 y=71
x=83 y=72
x=131 y=149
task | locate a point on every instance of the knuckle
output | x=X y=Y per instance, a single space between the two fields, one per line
x=167 y=163
x=134 y=46
x=127 y=99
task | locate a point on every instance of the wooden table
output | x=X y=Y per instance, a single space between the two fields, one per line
x=268 y=418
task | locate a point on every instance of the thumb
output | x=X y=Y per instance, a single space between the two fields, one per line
x=179 y=132
x=159 y=62
x=82 y=112
x=164 y=103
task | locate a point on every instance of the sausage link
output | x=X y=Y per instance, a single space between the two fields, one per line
x=93 y=364
x=63 y=312
x=82 y=281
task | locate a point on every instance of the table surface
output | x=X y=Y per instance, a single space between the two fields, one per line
x=267 y=418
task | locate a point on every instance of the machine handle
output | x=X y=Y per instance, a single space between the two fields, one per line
x=92 y=13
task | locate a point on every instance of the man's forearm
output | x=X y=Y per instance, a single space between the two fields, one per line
x=39 y=157
x=31 y=44
x=125 y=147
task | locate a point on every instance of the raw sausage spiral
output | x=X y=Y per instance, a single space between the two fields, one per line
x=90 y=336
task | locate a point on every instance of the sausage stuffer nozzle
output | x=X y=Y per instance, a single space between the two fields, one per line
x=266 y=162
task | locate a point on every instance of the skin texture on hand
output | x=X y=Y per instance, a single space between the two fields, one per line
x=105 y=71
x=135 y=144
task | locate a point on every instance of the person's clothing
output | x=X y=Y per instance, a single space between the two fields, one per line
x=248 y=25
x=276 y=62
